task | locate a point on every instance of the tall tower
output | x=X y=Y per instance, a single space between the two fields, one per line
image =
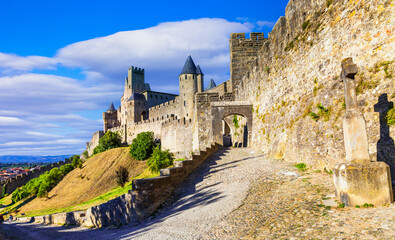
x=188 y=87
x=200 y=80
x=135 y=82
x=243 y=51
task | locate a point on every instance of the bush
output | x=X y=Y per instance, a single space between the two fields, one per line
x=160 y=159
x=301 y=166
x=77 y=161
x=391 y=117
x=142 y=146
x=85 y=154
x=121 y=176
x=108 y=141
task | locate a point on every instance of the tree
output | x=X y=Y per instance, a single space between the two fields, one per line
x=121 y=176
x=142 y=146
x=160 y=159
x=108 y=141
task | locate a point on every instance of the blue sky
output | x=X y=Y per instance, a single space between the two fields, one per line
x=63 y=62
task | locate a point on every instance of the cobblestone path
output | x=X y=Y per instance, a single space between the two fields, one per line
x=239 y=194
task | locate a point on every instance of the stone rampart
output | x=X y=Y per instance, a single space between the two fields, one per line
x=10 y=185
x=176 y=135
x=139 y=203
x=164 y=110
x=90 y=146
x=150 y=125
x=294 y=84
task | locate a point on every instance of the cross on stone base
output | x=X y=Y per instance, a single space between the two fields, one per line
x=359 y=180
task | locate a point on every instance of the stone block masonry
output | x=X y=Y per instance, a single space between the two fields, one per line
x=297 y=70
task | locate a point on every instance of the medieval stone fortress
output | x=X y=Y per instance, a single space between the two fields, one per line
x=183 y=123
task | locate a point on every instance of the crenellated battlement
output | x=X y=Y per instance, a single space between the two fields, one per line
x=136 y=69
x=174 y=121
x=240 y=40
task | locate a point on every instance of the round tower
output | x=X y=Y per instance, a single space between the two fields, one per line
x=188 y=88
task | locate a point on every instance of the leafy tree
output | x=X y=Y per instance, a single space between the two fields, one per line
x=108 y=141
x=142 y=146
x=66 y=168
x=77 y=161
x=121 y=176
x=160 y=159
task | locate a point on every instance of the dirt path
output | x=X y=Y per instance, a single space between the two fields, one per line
x=211 y=193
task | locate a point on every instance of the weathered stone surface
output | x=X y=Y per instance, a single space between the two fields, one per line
x=298 y=68
x=360 y=183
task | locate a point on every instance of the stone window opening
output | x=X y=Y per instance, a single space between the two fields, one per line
x=185 y=76
x=185 y=102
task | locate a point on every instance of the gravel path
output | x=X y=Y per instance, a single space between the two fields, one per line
x=212 y=192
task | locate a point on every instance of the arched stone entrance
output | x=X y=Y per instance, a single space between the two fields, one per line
x=220 y=111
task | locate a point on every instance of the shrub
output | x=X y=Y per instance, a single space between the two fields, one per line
x=236 y=121
x=108 y=141
x=160 y=159
x=121 y=176
x=301 y=167
x=85 y=154
x=142 y=146
x=391 y=117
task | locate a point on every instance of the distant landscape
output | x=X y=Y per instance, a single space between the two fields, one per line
x=32 y=159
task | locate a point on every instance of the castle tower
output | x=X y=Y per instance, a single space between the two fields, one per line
x=242 y=53
x=200 y=80
x=188 y=87
x=109 y=118
x=135 y=82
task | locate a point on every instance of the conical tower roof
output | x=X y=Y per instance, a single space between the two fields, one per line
x=198 y=70
x=211 y=84
x=189 y=66
x=111 y=107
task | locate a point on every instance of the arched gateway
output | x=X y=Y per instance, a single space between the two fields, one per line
x=220 y=110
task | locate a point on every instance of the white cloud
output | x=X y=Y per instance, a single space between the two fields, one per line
x=262 y=24
x=160 y=48
x=18 y=63
x=11 y=121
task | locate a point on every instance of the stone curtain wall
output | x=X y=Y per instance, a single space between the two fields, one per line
x=164 y=110
x=142 y=201
x=10 y=185
x=90 y=146
x=176 y=135
x=299 y=67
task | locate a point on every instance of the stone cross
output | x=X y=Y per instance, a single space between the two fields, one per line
x=354 y=129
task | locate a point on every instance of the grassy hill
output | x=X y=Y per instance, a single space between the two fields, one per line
x=91 y=185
